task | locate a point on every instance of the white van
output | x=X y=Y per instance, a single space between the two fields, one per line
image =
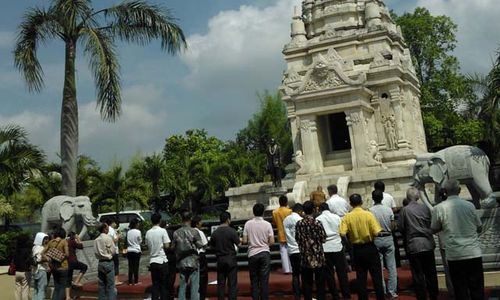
x=124 y=217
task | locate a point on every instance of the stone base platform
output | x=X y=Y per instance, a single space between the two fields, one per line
x=280 y=286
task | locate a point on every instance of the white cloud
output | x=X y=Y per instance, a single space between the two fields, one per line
x=241 y=47
x=478 y=35
x=42 y=130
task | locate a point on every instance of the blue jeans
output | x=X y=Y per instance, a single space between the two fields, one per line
x=60 y=282
x=194 y=277
x=40 y=285
x=385 y=246
x=106 y=276
x=259 y=266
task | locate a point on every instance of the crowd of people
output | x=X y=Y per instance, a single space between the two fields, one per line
x=314 y=238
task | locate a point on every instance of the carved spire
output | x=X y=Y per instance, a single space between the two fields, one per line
x=298 y=32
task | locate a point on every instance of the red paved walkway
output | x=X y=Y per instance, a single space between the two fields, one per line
x=279 y=287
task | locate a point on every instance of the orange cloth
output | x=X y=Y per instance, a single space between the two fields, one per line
x=318 y=197
x=279 y=214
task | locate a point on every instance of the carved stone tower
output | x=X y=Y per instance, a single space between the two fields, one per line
x=351 y=92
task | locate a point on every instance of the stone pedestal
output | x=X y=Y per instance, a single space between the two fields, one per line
x=273 y=194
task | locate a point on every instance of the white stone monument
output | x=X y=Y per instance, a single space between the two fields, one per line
x=352 y=98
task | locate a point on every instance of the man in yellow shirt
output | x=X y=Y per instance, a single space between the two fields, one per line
x=279 y=215
x=362 y=227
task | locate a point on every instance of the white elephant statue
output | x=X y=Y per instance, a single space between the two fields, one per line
x=71 y=213
x=467 y=164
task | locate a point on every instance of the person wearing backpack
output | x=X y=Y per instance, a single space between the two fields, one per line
x=187 y=241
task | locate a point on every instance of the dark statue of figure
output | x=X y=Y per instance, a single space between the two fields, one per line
x=274 y=162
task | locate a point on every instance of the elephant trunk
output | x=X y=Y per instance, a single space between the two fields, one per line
x=88 y=221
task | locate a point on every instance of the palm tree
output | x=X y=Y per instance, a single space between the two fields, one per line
x=18 y=161
x=76 y=23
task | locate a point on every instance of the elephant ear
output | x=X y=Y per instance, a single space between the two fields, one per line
x=66 y=210
x=437 y=169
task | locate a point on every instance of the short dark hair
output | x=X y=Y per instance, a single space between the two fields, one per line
x=195 y=221
x=186 y=216
x=332 y=189
x=102 y=227
x=155 y=218
x=224 y=216
x=163 y=223
x=109 y=220
x=60 y=233
x=379 y=185
x=308 y=207
x=355 y=200
x=283 y=200
x=297 y=208
x=324 y=206
x=133 y=223
x=258 y=209
x=377 y=196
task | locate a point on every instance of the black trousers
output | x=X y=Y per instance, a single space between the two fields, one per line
x=227 y=270
x=366 y=259
x=259 y=266
x=468 y=278
x=307 y=282
x=296 y=271
x=172 y=271
x=336 y=262
x=116 y=263
x=203 y=276
x=423 y=267
x=75 y=265
x=159 y=274
x=133 y=266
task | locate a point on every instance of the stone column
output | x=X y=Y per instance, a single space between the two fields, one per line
x=310 y=144
x=358 y=131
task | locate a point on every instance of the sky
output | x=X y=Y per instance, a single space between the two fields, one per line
x=234 y=52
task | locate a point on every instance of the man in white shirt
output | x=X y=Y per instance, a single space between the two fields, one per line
x=115 y=237
x=334 y=253
x=387 y=200
x=459 y=225
x=104 y=250
x=157 y=240
x=337 y=204
x=293 y=248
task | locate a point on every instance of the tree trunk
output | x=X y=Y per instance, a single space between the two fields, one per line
x=69 y=124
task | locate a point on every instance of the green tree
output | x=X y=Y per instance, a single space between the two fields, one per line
x=19 y=160
x=444 y=90
x=195 y=168
x=115 y=190
x=488 y=107
x=270 y=122
x=76 y=23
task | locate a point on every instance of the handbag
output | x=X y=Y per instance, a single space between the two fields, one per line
x=55 y=255
x=12 y=268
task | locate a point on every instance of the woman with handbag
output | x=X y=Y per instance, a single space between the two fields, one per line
x=134 y=240
x=41 y=266
x=22 y=261
x=58 y=252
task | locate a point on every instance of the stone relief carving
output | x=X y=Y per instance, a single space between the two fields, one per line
x=353 y=118
x=300 y=160
x=389 y=123
x=329 y=71
x=291 y=81
x=373 y=155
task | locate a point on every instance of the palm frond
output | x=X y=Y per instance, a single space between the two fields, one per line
x=71 y=13
x=38 y=25
x=100 y=48
x=140 y=22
